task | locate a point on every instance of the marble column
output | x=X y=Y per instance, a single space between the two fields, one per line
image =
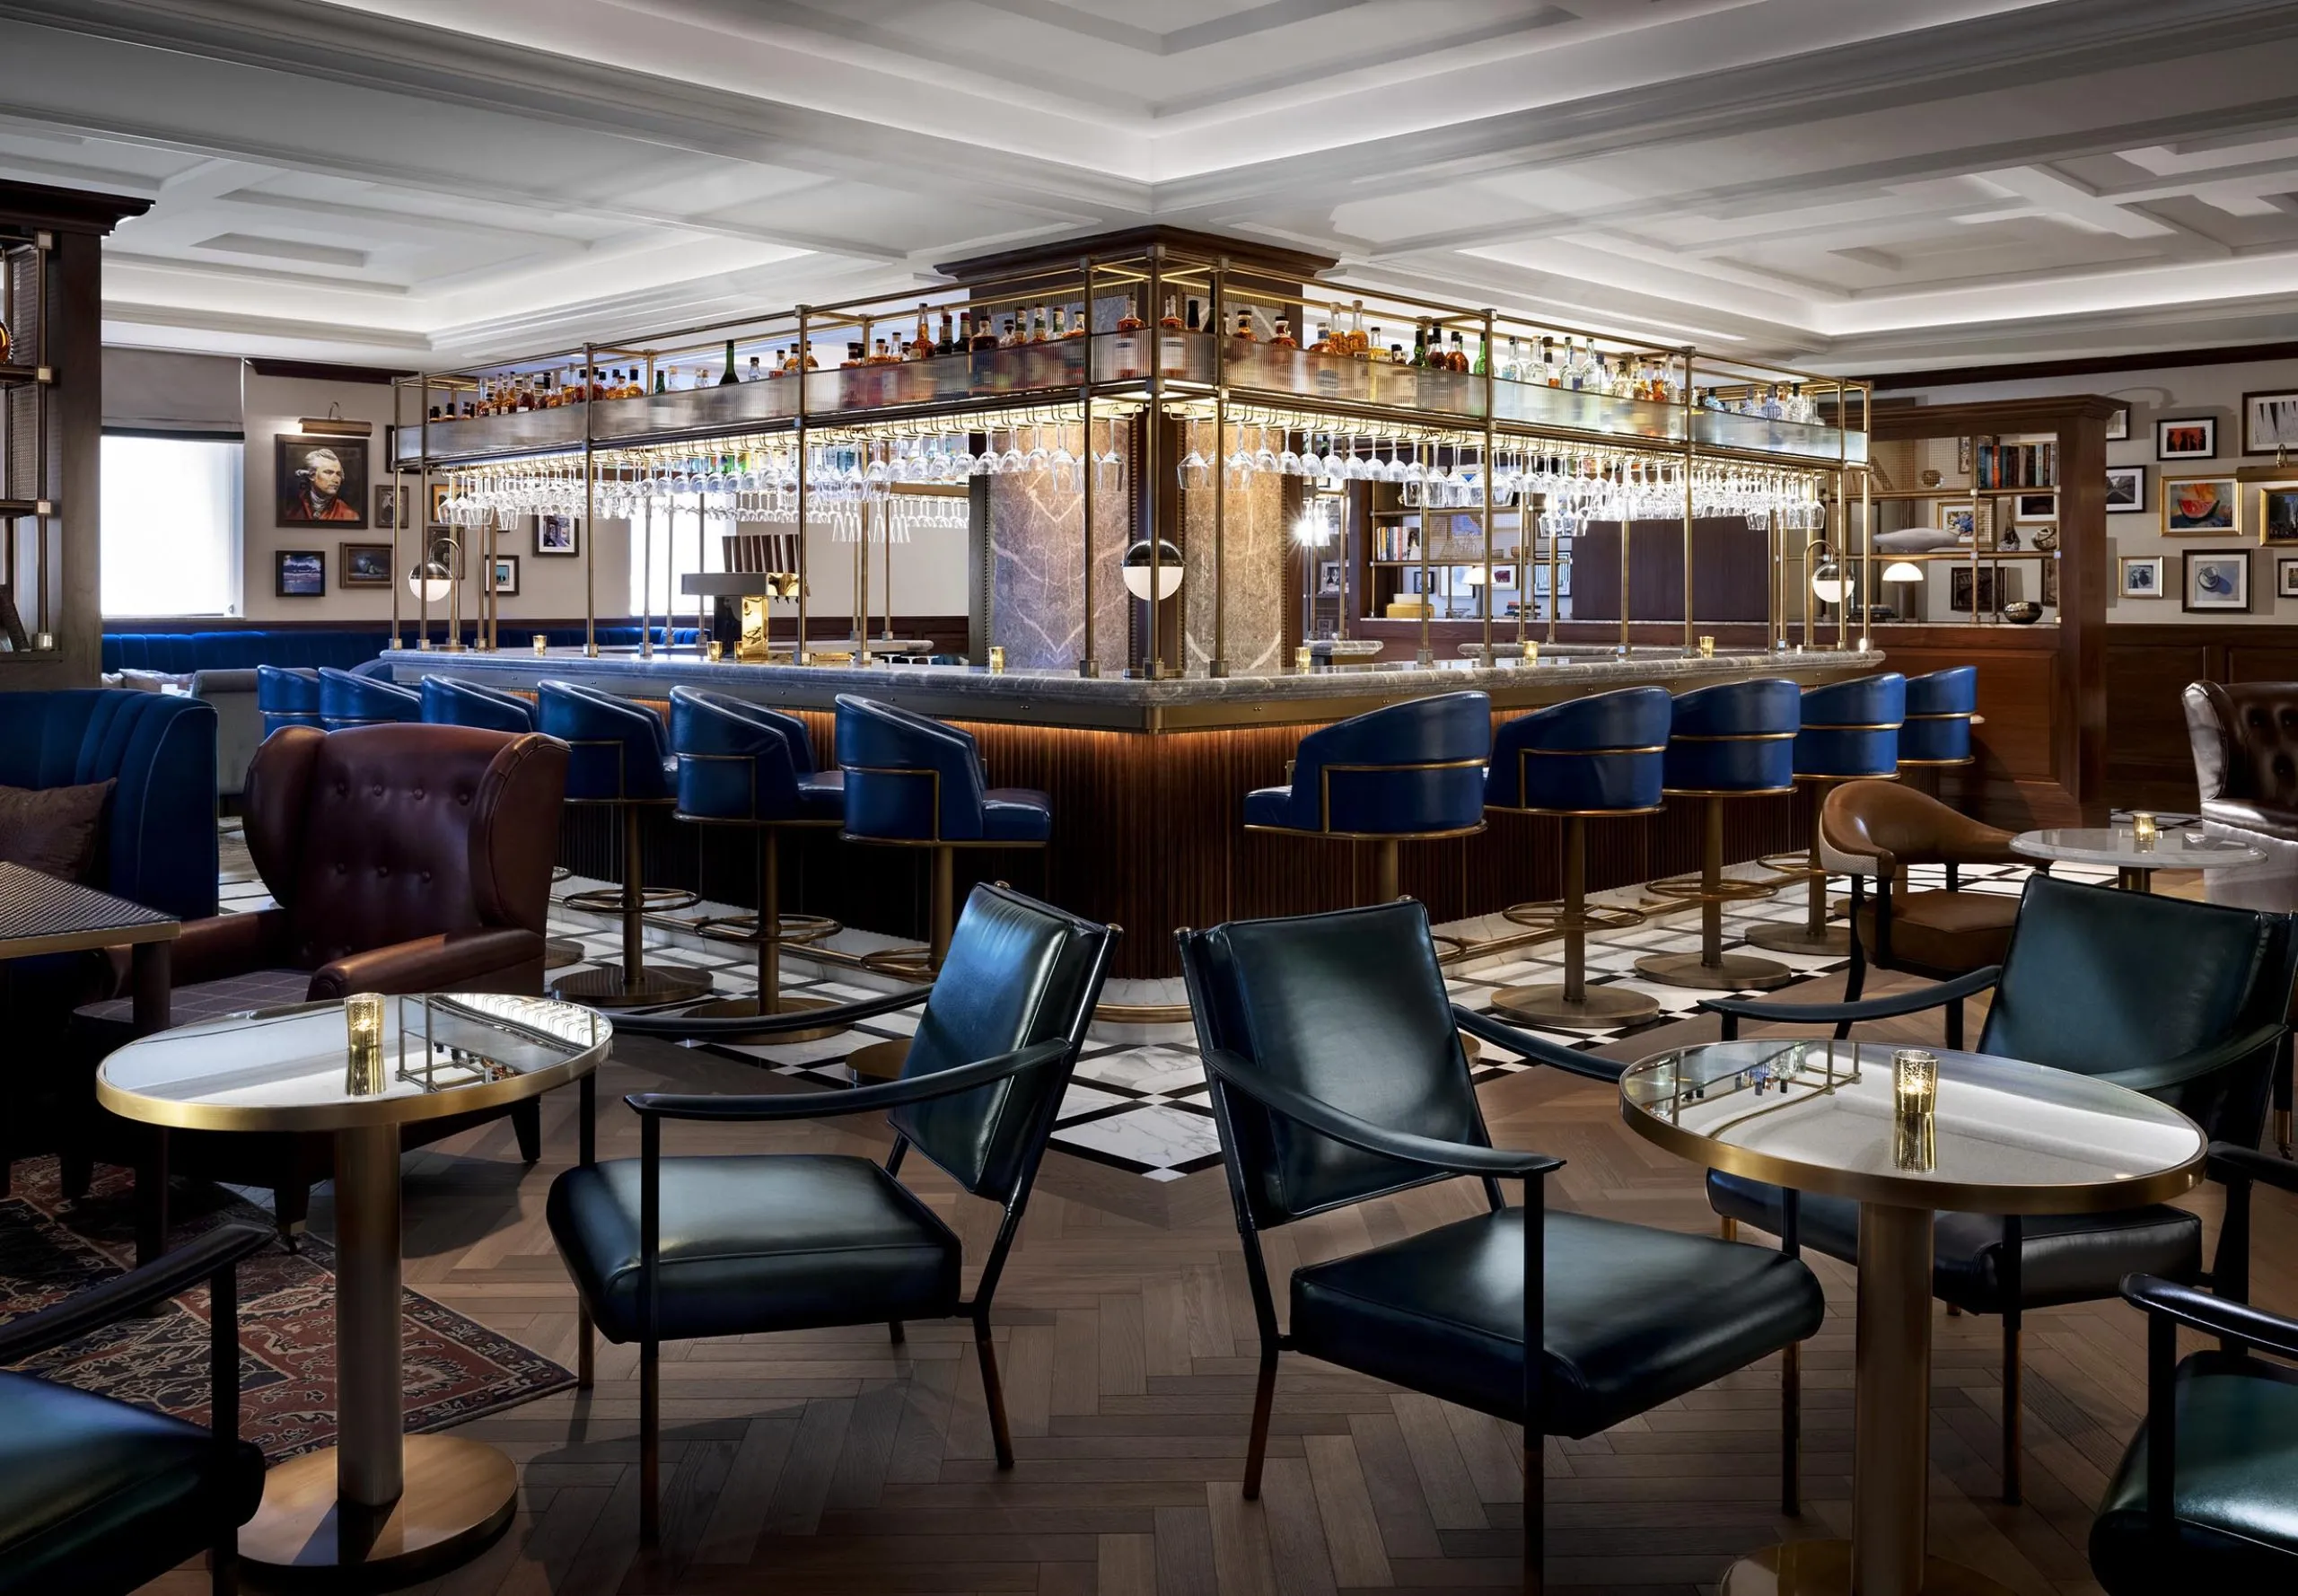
x=1036 y=578
x=1254 y=622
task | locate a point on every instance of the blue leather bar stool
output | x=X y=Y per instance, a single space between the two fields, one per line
x=1413 y=772
x=741 y=764
x=1735 y=741
x=447 y=702
x=1596 y=756
x=1942 y=708
x=286 y=698
x=1850 y=733
x=618 y=758
x=912 y=782
x=348 y=700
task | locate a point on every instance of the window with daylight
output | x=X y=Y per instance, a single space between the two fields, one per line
x=677 y=545
x=171 y=524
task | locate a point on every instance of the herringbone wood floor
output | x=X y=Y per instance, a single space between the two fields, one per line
x=837 y=1462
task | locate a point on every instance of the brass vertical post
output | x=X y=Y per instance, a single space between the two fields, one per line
x=590 y=522
x=1485 y=476
x=798 y=655
x=1427 y=653
x=1218 y=666
x=647 y=585
x=1154 y=647
x=1691 y=626
x=1088 y=665
x=1627 y=529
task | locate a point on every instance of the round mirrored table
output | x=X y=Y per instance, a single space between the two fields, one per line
x=2181 y=848
x=380 y=1507
x=2003 y=1137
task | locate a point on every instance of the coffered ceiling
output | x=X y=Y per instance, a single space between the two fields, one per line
x=1857 y=184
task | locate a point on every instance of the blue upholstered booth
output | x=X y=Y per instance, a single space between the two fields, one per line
x=350 y=700
x=619 y=755
x=912 y=782
x=181 y=653
x=911 y=779
x=1851 y=729
x=1733 y=741
x=743 y=762
x=1737 y=739
x=447 y=702
x=1594 y=756
x=287 y=696
x=1412 y=769
x=1604 y=752
x=1940 y=708
x=159 y=835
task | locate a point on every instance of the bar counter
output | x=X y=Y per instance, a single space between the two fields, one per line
x=1148 y=779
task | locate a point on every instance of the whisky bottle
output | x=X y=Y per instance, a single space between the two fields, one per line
x=947 y=343
x=1283 y=339
x=1245 y=327
x=3 y=341
x=728 y=377
x=1420 y=343
x=810 y=363
x=1060 y=316
x=1077 y=324
x=1007 y=338
x=1375 y=348
x=1358 y=345
x=1196 y=318
x=921 y=348
x=1037 y=326
x=1169 y=321
x=753 y=374
x=1456 y=358
x=1131 y=321
x=985 y=332
x=1324 y=344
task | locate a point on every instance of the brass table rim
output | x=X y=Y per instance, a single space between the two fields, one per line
x=403 y=1108
x=2104 y=1196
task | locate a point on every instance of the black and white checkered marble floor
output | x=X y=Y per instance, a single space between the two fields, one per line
x=1138 y=1100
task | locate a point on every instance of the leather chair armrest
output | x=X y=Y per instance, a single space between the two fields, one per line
x=2210 y=734
x=688 y=1027
x=225 y=945
x=2211 y=1315
x=429 y=963
x=2194 y=1065
x=1455 y=1158
x=170 y=1274
x=2230 y=1162
x=651 y=1106
x=1500 y=1034
x=1913 y=1002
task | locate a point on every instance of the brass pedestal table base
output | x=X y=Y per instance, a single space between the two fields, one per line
x=1823 y=1568
x=459 y=1495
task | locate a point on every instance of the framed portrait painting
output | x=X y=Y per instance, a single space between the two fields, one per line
x=299 y=573
x=2217 y=580
x=2201 y=506
x=319 y=482
x=2187 y=437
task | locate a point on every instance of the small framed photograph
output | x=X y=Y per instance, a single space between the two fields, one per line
x=2285 y=577
x=2119 y=424
x=2126 y=490
x=299 y=573
x=2201 y=506
x=555 y=535
x=2269 y=422
x=439 y=491
x=2029 y=507
x=507 y=576
x=2217 y=580
x=1961 y=517
x=363 y=564
x=2187 y=437
x=2142 y=576
x=2277 y=513
x=1959 y=589
x=2050 y=583
x=390 y=506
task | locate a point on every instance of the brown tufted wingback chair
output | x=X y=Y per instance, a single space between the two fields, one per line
x=401 y=858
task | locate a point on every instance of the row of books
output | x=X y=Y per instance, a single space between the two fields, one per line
x=2014 y=465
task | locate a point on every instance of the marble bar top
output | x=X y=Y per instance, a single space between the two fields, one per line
x=1176 y=702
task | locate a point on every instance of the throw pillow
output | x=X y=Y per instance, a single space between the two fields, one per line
x=53 y=830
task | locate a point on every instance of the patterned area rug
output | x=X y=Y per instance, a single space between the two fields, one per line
x=455 y=1369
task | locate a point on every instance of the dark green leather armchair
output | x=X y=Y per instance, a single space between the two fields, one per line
x=2185 y=1002
x=1338 y=1076
x=2206 y=1497
x=669 y=1248
x=97 y=1495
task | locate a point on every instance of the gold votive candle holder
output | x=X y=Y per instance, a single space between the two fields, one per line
x=1531 y=651
x=2143 y=831
x=1915 y=1145
x=1707 y=648
x=1304 y=659
x=717 y=650
x=1915 y=1081
x=996 y=660
x=542 y=642
x=363 y=1029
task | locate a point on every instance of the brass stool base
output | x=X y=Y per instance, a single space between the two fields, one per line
x=1733 y=973
x=745 y=1008
x=604 y=987
x=1834 y=941
x=797 y=930
x=1823 y=1568
x=1596 y=916
x=1730 y=890
x=558 y=952
x=1600 y=1008
x=879 y=1061
x=458 y=1496
x=652 y=901
x=908 y=964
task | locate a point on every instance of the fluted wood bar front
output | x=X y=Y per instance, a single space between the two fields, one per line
x=1148 y=779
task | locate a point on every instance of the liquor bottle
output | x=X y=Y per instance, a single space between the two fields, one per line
x=753 y=374
x=1007 y=337
x=985 y=332
x=1130 y=321
x=1077 y=324
x=1169 y=321
x=1059 y=329
x=965 y=332
x=1324 y=344
x=1396 y=353
x=947 y=343
x=1245 y=327
x=662 y=380
x=1196 y=318
x=1358 y=345
x=3 y=341
x=809 y=362
x=1550 y=372
x=728 y=377
x=1420 y=343
x=1037 y=326
x=1456 y=358
x=921 y=348
x=1375 y=348
x=1512 y=366
x=1283 y=339
x=1482 y=366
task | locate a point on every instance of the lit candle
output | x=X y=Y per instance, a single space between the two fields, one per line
x=2142 y=830
x=1304 y=660
x=996 y=660
x=363 y=1025
x=1914 y=1079
x=1707 y=648
x=717 y=650
x=542 y=642
x=1531 y=651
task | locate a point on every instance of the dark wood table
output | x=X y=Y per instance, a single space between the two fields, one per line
x=39 y=914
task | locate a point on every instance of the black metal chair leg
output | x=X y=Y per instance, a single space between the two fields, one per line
x=1256 y=1448
x=895 y=1333
x=585 y=1351
x=650 y=1443
x=2008 y=1274
x=1791 y=1374
x=993 y=1393
x=526 y=1124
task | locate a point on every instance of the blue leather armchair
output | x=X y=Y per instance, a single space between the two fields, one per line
x=447 y=702
x=287 y=696
x=349 y=699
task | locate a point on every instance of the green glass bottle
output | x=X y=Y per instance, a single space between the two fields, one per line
x=728 y=377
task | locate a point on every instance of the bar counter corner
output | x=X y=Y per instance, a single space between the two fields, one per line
x=1148 y=779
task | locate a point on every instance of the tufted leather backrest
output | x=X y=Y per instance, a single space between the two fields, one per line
x=907 y=778
x=1602 y=752
x=1019 y=972
x=2245 y=740
x=1351 y=1009
x=1411 y=767
x=737 y=760
x=2099 y=980
x=1852 y=728
x=383 y=834
x=615 y=748
x=1737 y=737
x=159 y=847
x=447 y=702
